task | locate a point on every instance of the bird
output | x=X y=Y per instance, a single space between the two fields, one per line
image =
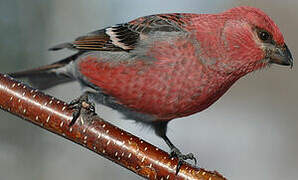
x=162 y=67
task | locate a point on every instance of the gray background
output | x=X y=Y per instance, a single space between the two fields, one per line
x=250 y=133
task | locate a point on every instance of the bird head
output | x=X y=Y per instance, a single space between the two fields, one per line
x=250 y=41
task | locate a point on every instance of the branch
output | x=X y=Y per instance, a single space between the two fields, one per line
x=94 y=133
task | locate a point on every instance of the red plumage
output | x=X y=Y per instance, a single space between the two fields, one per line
x=186 y=74
x=174 y=85
x=160 y=67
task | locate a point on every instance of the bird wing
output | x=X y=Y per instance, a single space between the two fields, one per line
x=125 y=37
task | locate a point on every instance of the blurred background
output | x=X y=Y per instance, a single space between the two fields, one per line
x=250 y=133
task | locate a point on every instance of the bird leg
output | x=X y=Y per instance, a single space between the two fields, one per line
x=78 y=104
x=175 y=152
x=160 y=130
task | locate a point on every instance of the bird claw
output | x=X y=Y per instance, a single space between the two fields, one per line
x=78 y=104
x=182 y=158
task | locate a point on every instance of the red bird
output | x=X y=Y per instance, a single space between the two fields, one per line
x=166 y=66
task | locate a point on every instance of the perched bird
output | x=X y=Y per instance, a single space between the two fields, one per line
x=162 y=67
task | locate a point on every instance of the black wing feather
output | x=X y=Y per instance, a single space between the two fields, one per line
x=124 y=37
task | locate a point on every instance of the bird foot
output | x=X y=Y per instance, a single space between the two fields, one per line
x=182 y=158
x=78 y=104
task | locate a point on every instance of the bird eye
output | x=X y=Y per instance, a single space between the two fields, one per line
x=264 y=35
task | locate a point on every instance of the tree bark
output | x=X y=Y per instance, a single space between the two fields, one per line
x=94 y=133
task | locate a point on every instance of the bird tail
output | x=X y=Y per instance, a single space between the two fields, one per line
x=47 y=76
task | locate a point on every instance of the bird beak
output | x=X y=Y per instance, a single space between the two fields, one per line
x=282 y=56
